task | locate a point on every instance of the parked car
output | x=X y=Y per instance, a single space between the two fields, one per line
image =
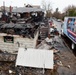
x=59 y=20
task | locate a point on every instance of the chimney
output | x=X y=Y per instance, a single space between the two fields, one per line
x=10 y=9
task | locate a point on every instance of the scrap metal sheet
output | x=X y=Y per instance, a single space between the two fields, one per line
x=35 y=58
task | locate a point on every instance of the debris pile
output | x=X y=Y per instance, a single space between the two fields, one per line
x=27 y=29
x=7 y=63
x=33 y=71
x=7 y=68
x=7 y=57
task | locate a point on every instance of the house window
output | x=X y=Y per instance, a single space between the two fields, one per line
x=9 y=39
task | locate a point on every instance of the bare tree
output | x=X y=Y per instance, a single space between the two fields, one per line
x=48 y=8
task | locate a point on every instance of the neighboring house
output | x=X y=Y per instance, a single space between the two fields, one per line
x=26 y=11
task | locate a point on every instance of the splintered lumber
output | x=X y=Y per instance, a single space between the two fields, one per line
x=7 y=57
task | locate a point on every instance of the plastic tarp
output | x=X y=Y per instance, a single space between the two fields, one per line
x=36 y=58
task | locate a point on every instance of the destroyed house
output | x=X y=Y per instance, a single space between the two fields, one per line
x=13 y=36
x=23 y=32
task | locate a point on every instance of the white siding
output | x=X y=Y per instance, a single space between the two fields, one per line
x=12 y=47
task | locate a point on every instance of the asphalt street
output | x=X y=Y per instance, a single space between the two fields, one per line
x=66 y=55
x=58 y=25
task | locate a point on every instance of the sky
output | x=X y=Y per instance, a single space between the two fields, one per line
x=61 y=4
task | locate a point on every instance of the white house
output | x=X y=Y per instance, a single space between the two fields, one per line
x=11 y=43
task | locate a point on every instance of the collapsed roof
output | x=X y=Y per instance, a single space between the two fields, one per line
x=27 y=29
x=26 y=9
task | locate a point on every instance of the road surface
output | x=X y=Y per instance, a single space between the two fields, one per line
x=66 y=55
x=58 y=25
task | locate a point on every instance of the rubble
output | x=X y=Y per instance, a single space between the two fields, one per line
x=7 y=57
x=6 y=67
x=56 y=51
x=19 y=29
x=59 y=63
x=10 y=71
x=19 y=70
x=68 y=66
x=43 y=45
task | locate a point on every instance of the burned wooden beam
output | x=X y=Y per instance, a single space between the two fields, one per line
x=6 y=57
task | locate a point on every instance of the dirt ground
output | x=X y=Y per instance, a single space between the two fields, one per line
x=67 y=60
